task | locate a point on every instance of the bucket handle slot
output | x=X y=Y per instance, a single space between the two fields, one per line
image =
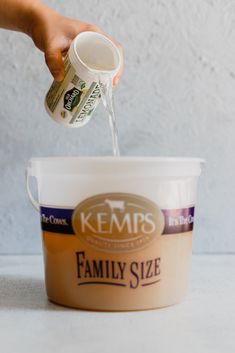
x=34 y=202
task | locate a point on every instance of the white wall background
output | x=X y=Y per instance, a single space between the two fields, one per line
x=177 y=97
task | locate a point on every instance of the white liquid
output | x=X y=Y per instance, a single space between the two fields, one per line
x=107 y=99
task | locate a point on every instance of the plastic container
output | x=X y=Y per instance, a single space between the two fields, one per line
x=91 y=57
x=117 y=232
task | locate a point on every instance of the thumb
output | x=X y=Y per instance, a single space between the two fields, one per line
x=55 y=63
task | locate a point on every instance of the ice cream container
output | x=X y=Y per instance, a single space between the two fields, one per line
x=116 y=232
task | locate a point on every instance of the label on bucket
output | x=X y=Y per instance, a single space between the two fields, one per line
x=117 y=222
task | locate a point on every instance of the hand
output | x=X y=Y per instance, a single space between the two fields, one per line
x=53 y=34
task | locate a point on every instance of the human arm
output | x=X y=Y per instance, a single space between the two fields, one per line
x=51 y=32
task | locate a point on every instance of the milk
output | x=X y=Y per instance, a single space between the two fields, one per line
x=107 y=99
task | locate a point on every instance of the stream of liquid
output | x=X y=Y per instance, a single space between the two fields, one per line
x=106 y=89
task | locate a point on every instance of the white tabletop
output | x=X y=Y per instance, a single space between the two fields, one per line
x=203 y=323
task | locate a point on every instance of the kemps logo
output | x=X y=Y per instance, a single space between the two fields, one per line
x=72 y=99
x=118 y=222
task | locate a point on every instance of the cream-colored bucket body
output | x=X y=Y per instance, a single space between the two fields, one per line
x=117 y=232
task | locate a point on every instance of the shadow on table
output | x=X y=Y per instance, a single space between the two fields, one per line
x=25 y=293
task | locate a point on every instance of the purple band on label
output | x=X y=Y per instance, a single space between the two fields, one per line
x=178 y=221
x=58 y=220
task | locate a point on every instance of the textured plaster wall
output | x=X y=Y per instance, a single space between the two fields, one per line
x=177 y=97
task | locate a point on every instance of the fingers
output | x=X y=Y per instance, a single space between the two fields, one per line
x=55 y=63
x=93 y=28
x=54 y=52
x=120 y=72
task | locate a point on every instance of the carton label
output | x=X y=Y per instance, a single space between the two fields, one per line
x=72 y=100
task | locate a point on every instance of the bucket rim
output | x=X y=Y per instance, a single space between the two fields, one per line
x=109 y=165
x=114 y=159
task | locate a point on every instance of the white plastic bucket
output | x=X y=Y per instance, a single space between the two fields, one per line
x=117 y=232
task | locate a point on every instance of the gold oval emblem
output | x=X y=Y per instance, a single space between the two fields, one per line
x=118 y=222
